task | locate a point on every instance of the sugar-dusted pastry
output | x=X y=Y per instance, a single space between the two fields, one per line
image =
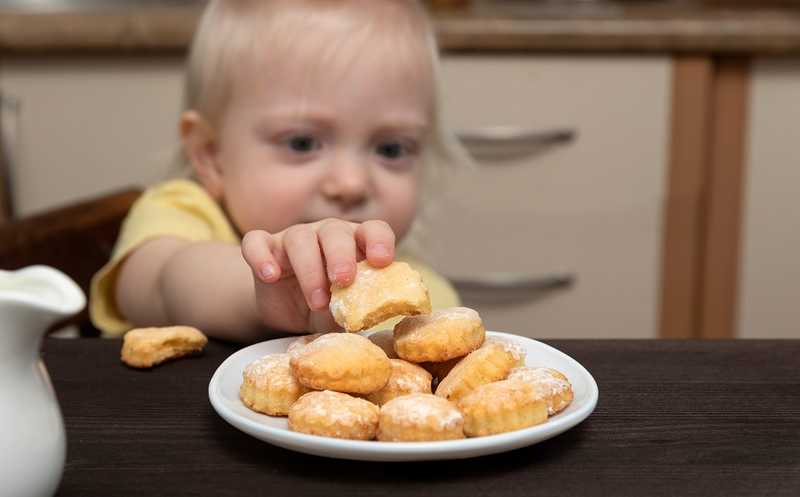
x=268 y=385
x=147 y=347
x=548 y=384
x=439 y=370
x=345 y=362
x=379 y=294
x=501 y=406
x=510 y=346
x=491 y=362
x=420 y=417
x=385 y=340
x=406 y=378
x=302 y=341
x=334 y=414
x=439 y=336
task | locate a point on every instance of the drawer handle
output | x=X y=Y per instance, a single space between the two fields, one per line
x=510 y=287
x=508 y=141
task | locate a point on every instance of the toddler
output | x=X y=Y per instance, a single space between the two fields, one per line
x=312 y=131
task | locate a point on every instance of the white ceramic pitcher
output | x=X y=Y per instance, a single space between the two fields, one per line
x=32 y=438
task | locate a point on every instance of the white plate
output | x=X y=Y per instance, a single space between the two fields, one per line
x=223 y=391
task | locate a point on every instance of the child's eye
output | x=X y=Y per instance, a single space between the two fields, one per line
x=394 y=150
x=390 y=150
x=303 y=144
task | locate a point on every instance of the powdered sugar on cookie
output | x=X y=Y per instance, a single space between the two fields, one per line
x=272 y=368
x=513 y=348
x=424 y=409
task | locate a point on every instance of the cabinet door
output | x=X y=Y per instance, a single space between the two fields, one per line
x=591 y=209
x=769 y=289
x=85 y=126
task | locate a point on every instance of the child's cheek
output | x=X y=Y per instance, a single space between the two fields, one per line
x=401 y=211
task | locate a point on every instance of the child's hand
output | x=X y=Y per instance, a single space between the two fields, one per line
x=293 y=270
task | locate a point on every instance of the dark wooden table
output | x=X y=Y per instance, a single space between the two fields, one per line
x=674 y=418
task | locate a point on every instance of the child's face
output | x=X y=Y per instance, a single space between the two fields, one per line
x=298 y=144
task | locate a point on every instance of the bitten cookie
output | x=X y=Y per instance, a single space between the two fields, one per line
x=440 y=336
x=344 y=362
x=334 y=414
x=379 y=294
x=268 y=385
x=148 y=347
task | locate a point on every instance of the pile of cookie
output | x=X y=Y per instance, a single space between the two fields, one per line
x=435 y=376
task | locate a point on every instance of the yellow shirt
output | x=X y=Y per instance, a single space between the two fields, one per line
x=182 y=208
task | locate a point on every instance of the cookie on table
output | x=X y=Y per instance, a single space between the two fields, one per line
x=548 y=384
x=439 y=336
x=334 y=414
x=378 y=294
x=406 y=378
x=344 y=362
x=268 y=385
x=420 y=418
x=500 y=407
x=491 y=362
x=148 y=347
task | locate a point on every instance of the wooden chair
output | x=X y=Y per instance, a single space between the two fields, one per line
x=76 y=239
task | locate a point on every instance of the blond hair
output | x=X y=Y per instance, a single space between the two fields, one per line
x=230 y=31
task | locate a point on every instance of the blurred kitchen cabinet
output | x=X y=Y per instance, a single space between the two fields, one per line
x=78 y=127
x=592 y=208
x=769 y=285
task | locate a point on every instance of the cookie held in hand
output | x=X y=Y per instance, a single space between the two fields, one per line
x=378 y=294
x=148 y=347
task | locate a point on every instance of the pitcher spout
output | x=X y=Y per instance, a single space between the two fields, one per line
x=31 y=299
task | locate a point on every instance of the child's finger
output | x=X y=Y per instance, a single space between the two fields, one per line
x=339 y=248
x=376 y=239
x=256 y=252
x=302 y=247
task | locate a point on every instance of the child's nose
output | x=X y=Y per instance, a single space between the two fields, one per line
x=347 y=182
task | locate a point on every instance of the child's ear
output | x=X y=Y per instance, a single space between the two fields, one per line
x=200 y=146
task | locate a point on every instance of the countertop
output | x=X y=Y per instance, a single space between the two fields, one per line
x=687 y=418
x=676 y=26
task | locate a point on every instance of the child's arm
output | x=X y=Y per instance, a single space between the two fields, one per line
x=209 y=285
x=169 y=281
